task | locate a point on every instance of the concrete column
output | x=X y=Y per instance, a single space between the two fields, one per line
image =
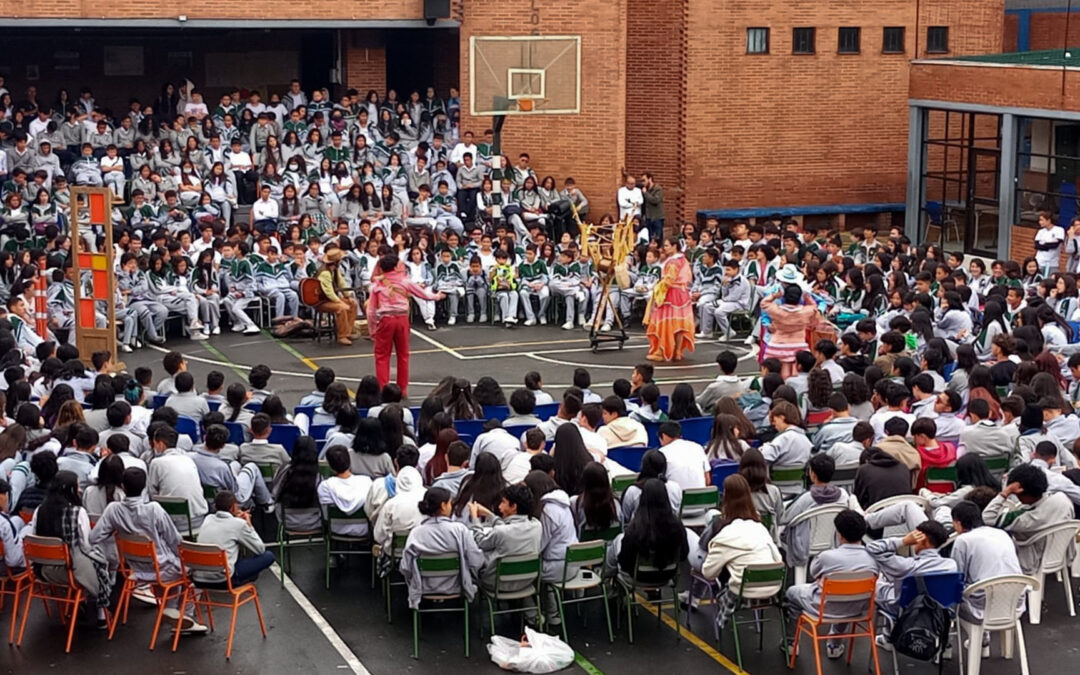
x=916 y=161
x=1007 y=184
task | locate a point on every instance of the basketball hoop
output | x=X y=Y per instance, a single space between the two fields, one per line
x=526 y=104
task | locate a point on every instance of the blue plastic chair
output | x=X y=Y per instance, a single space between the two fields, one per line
x=159 y=400
x=1075 y=326
x=721 y=469
x=628 y=457
x=697 y=429
x=496 y=412
x=309 y=410
x=469 y=427
x=253 y=406
x=653 y=430
x=214 y=405
x=945 y=587
x=236 y=433
x=186 y=425
x=546 y=410
x=284 y=435
x=948 y=370
x=663 y=402
x=933 y=211
x=320 y=431
x=516 y=430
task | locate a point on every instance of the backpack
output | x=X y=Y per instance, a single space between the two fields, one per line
x=922 y=629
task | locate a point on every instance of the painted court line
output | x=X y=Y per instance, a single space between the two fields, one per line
x=693 y=639
x=323 y=625
x=435 y=343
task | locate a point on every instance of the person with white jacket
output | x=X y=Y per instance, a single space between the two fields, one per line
x=345 y=491
x=558 y=533
x=400 y=513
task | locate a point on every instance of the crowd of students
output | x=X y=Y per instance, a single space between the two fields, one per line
x=82 y=447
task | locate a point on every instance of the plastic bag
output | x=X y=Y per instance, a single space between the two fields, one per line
x=543 y=653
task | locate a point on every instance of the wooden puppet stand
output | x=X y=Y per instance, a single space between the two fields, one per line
x=608 y=246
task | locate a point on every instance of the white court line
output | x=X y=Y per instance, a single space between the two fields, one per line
x=435 y=343
x=322 y=624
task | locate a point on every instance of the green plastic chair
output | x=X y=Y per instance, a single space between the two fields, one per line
x=698 y=499
x=514 y=569
x=178 y=506
x=289 y=539
x=620 y=483
x=448 y=565
x=579 y=577
x=998 y=465
x=756 y=577
x=659 y=579
x=336 y=515
x=943 y=474
x=267 y=469
x=209 y=492
x=789 y=480
x=397 y=546
x=607 y=534
x=324 y=470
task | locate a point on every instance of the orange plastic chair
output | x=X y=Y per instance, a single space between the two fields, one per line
x=12 y=584
x=138 y=553
x=840 y=587
x=51 y=552
x=207 y=558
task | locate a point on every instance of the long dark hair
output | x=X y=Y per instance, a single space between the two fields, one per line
x=682 y=404
x=738 y=500
x=483 y=486
x=571 y=458
x=62 y=494
x=754 y=469
x=61 y=394
x=394 y=431
x=438 y=464
x=369 y=439
x=971 y=470
x=654 y=531
x=235 y=396
x=302 y=476
x=597 y=501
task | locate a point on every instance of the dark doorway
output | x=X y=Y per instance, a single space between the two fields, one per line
x=317 y=60
x=410 y=61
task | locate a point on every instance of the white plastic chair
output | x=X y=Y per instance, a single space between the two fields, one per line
x=822 y=533
x=898 y=530
x=1055 y=560
x=1002 y=597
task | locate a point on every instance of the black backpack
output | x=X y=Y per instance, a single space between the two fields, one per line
x=922 y=629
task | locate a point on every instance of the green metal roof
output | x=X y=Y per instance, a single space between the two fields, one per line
x=1046 y=57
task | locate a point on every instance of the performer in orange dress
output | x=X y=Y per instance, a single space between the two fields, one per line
x=669 y=316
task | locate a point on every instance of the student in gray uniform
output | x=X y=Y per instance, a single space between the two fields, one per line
x=980 y=553
x=735 y=294
x=185 y=401
x=512 y=532
x=439 y=534
x=476 y=291
x=796 y=539
x=849 y=556
x=924 y=541
x=533 y=277
x=1025 y=506
x=708 y=275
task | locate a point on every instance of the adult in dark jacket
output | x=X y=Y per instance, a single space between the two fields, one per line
x=880 y=476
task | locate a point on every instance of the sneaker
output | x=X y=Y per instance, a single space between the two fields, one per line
x=431 y=325
x=985 y=647
x=138 y=344
x=569 y=325
x=483 y=318
x=198 y=335
x=684 y=599
x=195 y=325
x=190 y=626
x=156 y=340
x=584 y=322
x=530 y=322
x=605 y=328
x=543 y=321
x=126 y=349
x=835 y=651
x=216 y=330
x=143 y=594
x=451 y=321
x=883 y=643
x=252 y=330
x=237 y=328
x=512 y=320
x=700 y=335
x=470 y=318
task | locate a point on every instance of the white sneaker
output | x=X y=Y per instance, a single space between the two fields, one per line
x=543 y=321
x=143 y=594
x=470 y=319
x=483 y=318
x=451 y=321
x=237 y=328
x=252 y=330
x=530 y=322
x=216 y=330
x=126 y=349
x=192 y=627
x=883 y=643
x=431 y=325
x=199 y=335
x=569 y=325
x=584 y=322
x=700 y=335
x=138 y=344
x=195 y=325
x=835 y=651
x=684 y=598
x=512 y=320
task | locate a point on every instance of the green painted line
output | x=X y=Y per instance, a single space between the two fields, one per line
x=292 y=350
x=217 y=352
x=586 y=664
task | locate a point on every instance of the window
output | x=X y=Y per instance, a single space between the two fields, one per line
x=802 y=41
x=848 y=41
x=892 y=41
x=757 y=40
x=937 y=40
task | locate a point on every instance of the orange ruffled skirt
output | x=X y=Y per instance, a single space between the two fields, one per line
x=671 y=325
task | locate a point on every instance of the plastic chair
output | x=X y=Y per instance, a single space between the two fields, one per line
x=18 y=583
x=789 y=479
x=52 y=553
x=319 y=432
x=844 y=477
x=698 y=499
x=822 y=533
x=721 y=470
x=516 y=570
x=1002 y=596
x=210 y=559
x=942 y=479
x=947 y=588
x=137 y=553
x=630 y=458
x=546 y=410
x=620 y=483
x=696 y=429
x=840 y=587
x=324 y=469
x=336 y=515
x=159 y=401
x=397 y=546
x=757 y=578
x=898 y=530
x=178 y=506
x=607 y=534
x=1057 y=540
x=284 y=435
x=290 y=538
x=496 y=412
x=471 y=428
x=431 y=567
x=236 y=433
x=308 y=410
x=582 y=558
x=656 y=581
x=188 y=426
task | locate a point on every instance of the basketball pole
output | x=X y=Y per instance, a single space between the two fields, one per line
x=497 y=122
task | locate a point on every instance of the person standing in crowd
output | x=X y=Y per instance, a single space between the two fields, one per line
x=669 y=316
x=653 y=196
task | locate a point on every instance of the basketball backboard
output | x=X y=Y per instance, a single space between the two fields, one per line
x=525 y=75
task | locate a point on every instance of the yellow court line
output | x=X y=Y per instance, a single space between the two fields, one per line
x=694 y=639
x=496 y=345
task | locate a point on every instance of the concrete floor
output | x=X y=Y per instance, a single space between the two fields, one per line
x=345 y=629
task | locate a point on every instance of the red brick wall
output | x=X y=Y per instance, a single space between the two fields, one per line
x=211 y=9
x=1032 y=87
x=1008 y=38
x=656 y=97
x=365 y=63
x=590 y=146
x=784 y=129
x=1048 y=30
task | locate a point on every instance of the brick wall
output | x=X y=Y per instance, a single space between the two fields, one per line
x=590 y=146
x=656 y=98
x=365 y=63
x=210 y=9
x=1048 y=30
x=990 y=84
x=1008 y=38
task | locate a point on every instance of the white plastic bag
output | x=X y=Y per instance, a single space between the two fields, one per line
x=544 y=653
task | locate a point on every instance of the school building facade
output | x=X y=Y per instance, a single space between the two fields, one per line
x=736 y=108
